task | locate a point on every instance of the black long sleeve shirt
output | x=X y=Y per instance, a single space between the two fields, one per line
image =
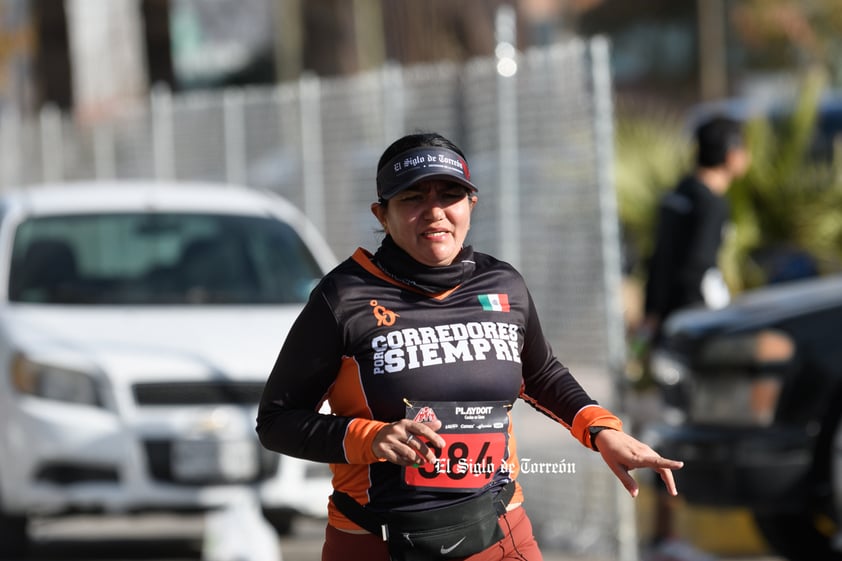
x=366 y=341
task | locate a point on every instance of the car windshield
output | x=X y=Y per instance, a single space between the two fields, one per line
x=156 y=258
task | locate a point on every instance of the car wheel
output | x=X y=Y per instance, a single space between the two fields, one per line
x=810 y=535
x=281 y=520
x=14 y=539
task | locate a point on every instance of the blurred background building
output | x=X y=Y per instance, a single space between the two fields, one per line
x=88 y=54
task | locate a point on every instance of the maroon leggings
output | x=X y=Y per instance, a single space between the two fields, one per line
x=518 y=543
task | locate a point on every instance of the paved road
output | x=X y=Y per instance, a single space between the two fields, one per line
x=179 y=538
x=86 y=538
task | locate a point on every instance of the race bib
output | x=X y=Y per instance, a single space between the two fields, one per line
x=476 y=444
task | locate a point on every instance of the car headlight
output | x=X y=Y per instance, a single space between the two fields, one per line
x=53 y=382
x=667 y=369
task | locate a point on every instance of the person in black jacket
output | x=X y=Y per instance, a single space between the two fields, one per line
x=683 y=270
x=421 y=349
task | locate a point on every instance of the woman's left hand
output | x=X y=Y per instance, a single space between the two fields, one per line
x=623 y=453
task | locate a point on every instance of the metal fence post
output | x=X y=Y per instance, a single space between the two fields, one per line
x=508 y=215
x=105 y=153
x=52 y=153
x=233 y=101
x=11 y=152
x=312 y=149
x=609 y=226
x=611 y=257
x=394 y=102
x=163 y=141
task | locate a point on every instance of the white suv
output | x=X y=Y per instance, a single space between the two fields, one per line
x=138 y=323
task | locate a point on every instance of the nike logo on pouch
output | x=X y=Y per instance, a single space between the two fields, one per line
x=446 y=550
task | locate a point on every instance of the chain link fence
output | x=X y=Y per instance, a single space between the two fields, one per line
x=540 y=148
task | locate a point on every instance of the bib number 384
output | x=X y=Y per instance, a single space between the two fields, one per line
x=475 y=436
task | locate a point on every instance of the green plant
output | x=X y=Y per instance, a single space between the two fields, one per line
x=652 y=152
x=786 y=202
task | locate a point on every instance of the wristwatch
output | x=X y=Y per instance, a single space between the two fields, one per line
x=593 y=431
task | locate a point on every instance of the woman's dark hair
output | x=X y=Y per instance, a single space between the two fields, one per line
x=416 y=140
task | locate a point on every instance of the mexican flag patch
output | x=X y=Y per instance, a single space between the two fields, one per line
x=494 y=302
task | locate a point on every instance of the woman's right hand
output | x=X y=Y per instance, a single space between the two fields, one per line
x=404 y=442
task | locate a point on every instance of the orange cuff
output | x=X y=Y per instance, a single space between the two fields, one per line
x=359 y=436
x=593 y=416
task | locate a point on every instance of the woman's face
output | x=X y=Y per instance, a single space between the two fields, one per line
x=429 y=220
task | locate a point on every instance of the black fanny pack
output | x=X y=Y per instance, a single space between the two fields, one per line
x=440 y=533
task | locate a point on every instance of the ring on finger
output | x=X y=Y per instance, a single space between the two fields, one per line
x=409 y=439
